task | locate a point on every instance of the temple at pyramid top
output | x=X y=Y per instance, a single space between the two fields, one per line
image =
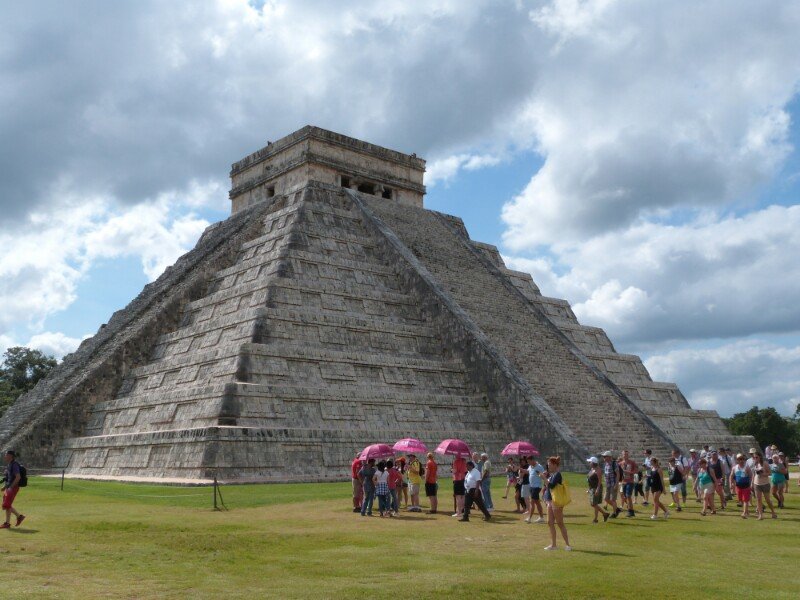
x=315 y=154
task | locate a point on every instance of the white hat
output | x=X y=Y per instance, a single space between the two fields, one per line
x=592 y=460
x=607 y=453
x=484 y=454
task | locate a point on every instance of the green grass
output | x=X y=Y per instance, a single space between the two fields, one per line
x=113 y=540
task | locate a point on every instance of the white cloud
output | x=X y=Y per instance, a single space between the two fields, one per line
x=730 y=277
x=54 y=343
x=734 y=377
x=445 y=169
x=638 y=112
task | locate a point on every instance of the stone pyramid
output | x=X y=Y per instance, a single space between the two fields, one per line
x=330 y=311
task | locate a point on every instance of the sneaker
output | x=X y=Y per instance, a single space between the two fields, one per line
x=619 y=510
x=539 y=520
x=456 y=515
x=5 y=525
x=605 y=517
x=568 y=548
x=630 y=514
x=666 y=515
x=653 y=518
x=551 y=547
x=679 y=509
x=528 y=520
x=20 y=519
x=645 y=503
x=613 y=515
x=672 y=505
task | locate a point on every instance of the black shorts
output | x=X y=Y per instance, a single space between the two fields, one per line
x=535 y=493
x=458 y=488
x=431 y=489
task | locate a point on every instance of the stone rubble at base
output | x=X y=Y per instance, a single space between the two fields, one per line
x=331 y=311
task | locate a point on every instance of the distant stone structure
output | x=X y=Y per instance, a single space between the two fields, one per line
x=330 y=311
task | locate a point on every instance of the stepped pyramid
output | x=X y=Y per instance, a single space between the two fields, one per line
x=330 y=311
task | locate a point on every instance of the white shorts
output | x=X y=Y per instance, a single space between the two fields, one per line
x=413 y=489
x=525 y=491
x=675 y=488
x=707 y=489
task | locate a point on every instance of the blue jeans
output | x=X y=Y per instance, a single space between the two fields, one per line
x=384 y=503
x=486 y=490
x=395 y=501
x=366 y=505
x=683 y=490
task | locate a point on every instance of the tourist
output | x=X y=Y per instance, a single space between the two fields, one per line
x=639 y=481
x=707 y=485
x=395 y=485
x=518 y=499
x=366 y=475
x=472 y=482
x=459 y=469
x=677 y=478
x=594 y=479
x=415 y=473
x=486 y=482
x=535 y=482
x=648 y=456
x=785 y=462
x=741 y=479
x=13 y=479
x=381 y=479
x=715 y=466
x=694 y=465
x=403 y=492
x=657 y=487
x=432 y=483
x=777 y=478
x=511 y=475
x=611 y=477
x=683 y=463
x=727 y=465
x=555 y=514
x=629 y=469
x=769 y=451
x=704 y=452
x=525 y=488
x=358 y=489
x=751 y=461
x=761 y=484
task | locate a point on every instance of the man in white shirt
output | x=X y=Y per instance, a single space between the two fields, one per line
x=683 y=462
x=472 y=483
x=751 y=461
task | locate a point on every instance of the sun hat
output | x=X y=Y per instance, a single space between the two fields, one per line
x=740 y=455
x=607 y=453
x=752 y=451
x=692 y=450
x=773 y=447
x=592 y=459
x=484 y=454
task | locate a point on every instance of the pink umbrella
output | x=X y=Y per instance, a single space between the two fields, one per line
x=410 y=446
x=520 y=449
x=376 y=451
x=454 y=448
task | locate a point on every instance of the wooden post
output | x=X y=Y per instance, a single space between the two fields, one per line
x=215 y=493
x=63 y=471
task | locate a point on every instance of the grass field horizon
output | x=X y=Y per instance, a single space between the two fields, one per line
x=118 y=540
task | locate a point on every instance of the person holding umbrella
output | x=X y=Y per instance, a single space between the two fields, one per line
x=472 y=481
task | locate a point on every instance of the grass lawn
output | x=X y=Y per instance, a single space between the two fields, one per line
x=111 y=540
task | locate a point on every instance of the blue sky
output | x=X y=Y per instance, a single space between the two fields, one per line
x=642 y=164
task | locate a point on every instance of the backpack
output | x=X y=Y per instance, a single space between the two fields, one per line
x=421 y=470
x=23 y=476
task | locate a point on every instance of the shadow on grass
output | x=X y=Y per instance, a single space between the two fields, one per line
x=603 y=553
x=23 y=531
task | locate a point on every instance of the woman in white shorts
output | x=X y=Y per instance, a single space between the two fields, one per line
x=707 y=486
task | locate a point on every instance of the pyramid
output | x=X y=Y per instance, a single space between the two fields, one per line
x=330 y=311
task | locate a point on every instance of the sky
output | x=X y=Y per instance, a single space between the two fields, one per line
x=638 y=159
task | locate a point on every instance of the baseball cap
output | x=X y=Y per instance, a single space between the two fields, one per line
x=692 y=450
x=751 y=451
x=607 y=453
x=592 y=459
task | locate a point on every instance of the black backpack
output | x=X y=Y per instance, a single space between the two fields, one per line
x=421 y=469
x=23 y=476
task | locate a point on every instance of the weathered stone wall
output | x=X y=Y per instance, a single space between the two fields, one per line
x=59 y=406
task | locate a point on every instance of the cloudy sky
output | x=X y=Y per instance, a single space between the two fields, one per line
x=639 y=159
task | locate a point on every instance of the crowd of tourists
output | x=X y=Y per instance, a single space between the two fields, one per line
x=712 y=478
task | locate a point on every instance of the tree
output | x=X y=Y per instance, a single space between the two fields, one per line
x=768 y=427
x=21 y=369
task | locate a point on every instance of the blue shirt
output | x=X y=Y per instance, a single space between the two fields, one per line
x=554 y=480
x=533 y=476
x=12 y=470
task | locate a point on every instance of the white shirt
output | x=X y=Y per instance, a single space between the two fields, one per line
x=472 y=478
x=750 y=462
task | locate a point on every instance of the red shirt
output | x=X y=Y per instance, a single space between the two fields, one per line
x=355 y=468
x=628 y=471
x=459 y=469
x=431 y=471
x=395 y=478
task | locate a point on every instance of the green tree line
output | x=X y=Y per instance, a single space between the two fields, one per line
x=769 y=427
x=20 y=370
